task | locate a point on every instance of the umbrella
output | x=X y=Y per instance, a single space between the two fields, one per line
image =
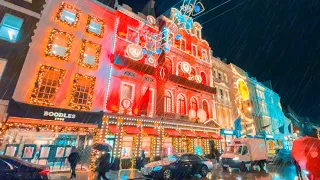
x=102 y=147
x=306 y=151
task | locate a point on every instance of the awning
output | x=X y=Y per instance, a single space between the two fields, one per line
x=172 y=132
x=131 y=129
x=113 y=129
x=215 y=136
x=202 y=134
x=150 y=131
x=188 y=133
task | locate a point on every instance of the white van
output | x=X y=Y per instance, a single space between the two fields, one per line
x=244 y=153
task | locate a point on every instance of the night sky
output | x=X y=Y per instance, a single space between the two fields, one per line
x=277 y=40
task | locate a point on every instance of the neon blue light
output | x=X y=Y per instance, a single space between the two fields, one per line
x=158 y=51
x=144 y=51
x=198 y=150
x=68 y=16
x=10 y=27
x=178 y=37
x=157 y=168
x=94 y=27
x=197 y=8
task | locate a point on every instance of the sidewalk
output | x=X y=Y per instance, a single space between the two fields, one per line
x=86 y=175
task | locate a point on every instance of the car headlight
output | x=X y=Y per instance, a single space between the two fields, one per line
x=236 y=159
x=157 y=168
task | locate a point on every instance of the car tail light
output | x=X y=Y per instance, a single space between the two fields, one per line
x=44 y=172
x=209 y=160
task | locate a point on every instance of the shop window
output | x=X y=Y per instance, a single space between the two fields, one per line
x=205 y=107
x=194 y=50
x=127 y=143
x=194 y=104
x=67 y=14
x=183 y=45
x=127 y=91
x=10 y=27
x=89 y=54
x=82 y=92
x=59 y=45
x=48 y=81
x=95 y=26
x=132 y=35
x=181 y=104
x=168 y=105
x=3 y=63
x=145 y=145
x=177 y=43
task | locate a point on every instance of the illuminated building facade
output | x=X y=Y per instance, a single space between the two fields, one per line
x=60 y=94
x=168 y=67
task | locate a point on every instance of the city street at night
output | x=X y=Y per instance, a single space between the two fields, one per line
x=164 y=89
x=274 y=173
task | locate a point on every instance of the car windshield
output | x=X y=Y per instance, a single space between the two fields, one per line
x=172 y=158
x=234 y=149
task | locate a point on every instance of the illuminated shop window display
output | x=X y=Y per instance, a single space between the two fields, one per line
x=167 y=145
x=47 y=83
x=127 y=143
x=10 y=27
x=146 y=146
x=82 y=92
x=89 y=55
x=46 y=147
x=198 y=146
x=95 y=26
x=59 y=45
x=67 y=14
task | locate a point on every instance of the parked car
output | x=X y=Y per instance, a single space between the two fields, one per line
x=12 y=168
x=178 y=167
x=283 y=156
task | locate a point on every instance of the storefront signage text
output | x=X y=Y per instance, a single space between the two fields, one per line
x=59 y=116
x=129 y=74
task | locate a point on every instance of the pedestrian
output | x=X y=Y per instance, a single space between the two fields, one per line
x=73 y=159
x=142 y=158
x=298 y=168
x=104 y=166
x=217 y=155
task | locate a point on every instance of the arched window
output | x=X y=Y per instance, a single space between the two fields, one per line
x=181 y=104
x=169 y=65
x=205 y=107
x=203 y=77
x=194 y=104
x=168 y=102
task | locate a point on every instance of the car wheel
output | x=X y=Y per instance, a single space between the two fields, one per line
x=243 y=167
x=167 y=174
x=225 y=168
x=204 y=171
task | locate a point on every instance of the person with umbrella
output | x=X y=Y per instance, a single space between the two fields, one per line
x=73 y=159
x=103 y=166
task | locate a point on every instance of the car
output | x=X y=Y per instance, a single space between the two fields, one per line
x=12 y=168
x=178 y=166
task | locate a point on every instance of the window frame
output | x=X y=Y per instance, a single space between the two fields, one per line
x=98 y=20
x=49 y=46
x=10 y=27
x=185 y=44
x=166 y=97
x=132 y=93
x=86 y=43
x=88 y=105
x=60 y=11
x=34 y=99
x=179 y=107
x=194 y=50
x=194 y=101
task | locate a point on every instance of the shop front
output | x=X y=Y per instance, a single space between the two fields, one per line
x=157 y=139
x=228 y=135
x=44 y=135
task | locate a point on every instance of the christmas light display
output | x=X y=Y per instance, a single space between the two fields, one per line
x=77 y=88
x=39 y=83
x=86 y=45
x=94 y=20
x=54 y=36
x=66 y=7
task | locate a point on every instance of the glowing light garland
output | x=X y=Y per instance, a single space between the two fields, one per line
x=89 y=44
x=34 y=99
x=60 y=11
x=75 y=86
x=97 y=20
x=54 y=33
